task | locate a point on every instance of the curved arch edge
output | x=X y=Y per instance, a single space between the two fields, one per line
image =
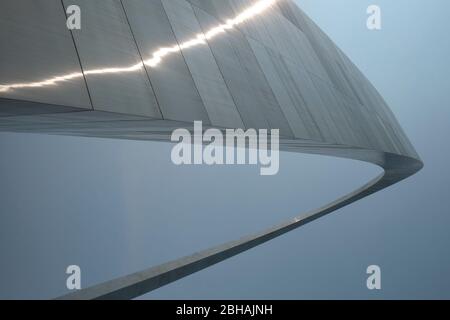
x=396 y=168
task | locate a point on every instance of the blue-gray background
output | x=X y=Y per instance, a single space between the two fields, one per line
x=114 y=207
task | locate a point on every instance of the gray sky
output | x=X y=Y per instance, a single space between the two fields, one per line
x=115 y=207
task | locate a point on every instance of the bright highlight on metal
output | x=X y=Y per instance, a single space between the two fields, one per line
x=158 y=56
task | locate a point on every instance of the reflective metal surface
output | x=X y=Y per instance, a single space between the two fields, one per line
x=36 y=45
x=235 y=63
x=105 y=41
x=173 y=83
x=201 y=63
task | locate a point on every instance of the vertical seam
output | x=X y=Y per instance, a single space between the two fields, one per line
x=79 y=59
x=142 y=59
x=218 y=67
x=185 y=62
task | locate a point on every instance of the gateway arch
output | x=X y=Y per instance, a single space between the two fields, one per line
x=138 y=69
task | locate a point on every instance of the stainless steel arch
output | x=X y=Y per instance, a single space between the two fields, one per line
x=141 y=68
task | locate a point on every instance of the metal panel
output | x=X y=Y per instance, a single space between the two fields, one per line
x=203 y=67
x=245 y=79
x=233 y=73
x=174 y=87
x=292 y=104
x=105 y=41
x=36 y=46
x=221 y=9
x=303 y=88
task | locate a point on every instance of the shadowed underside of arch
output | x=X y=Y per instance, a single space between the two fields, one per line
x=139 y=69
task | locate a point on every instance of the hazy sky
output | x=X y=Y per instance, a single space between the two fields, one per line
x=115 y=207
